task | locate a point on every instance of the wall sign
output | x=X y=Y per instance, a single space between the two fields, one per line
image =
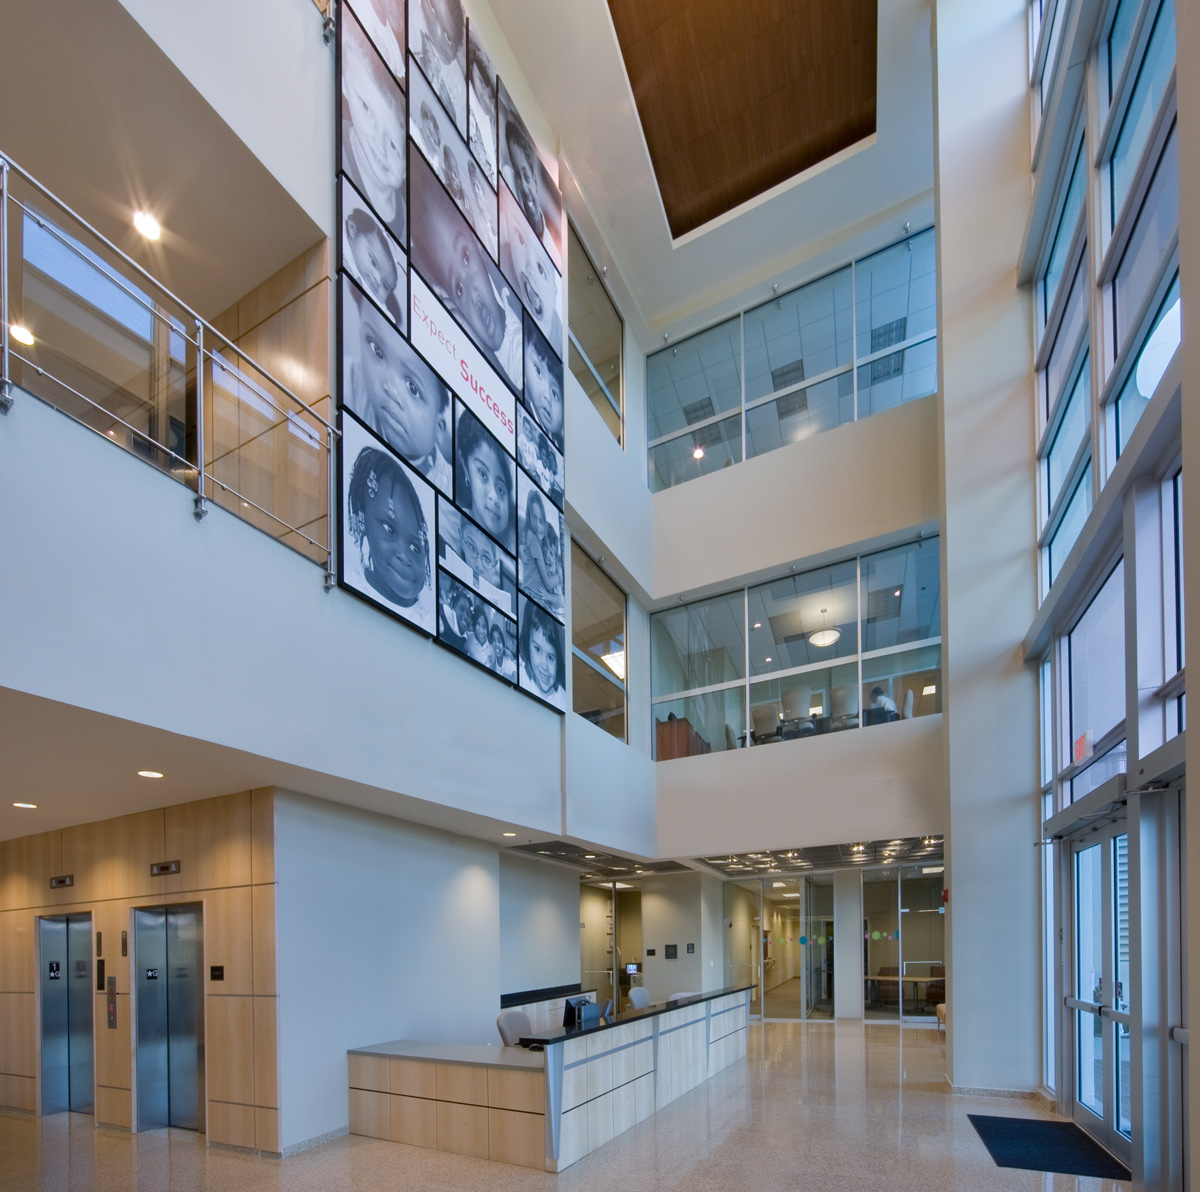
x=450 y=346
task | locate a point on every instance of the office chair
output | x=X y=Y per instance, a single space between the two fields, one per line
x=766 y=724
x=512 y=1024
x=908 y=704
x=843 y=710
x=639 y=996
x=797 y=714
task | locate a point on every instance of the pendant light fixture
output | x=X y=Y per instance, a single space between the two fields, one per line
x=824 y=636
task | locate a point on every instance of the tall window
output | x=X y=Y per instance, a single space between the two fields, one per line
x=594 y=335
x=852 y=343
x=855 y=644
x=597 y=645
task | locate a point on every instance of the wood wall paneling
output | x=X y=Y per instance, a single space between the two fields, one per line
x=228 y=940
x=266 y=1053
x=18 y=1039
x=262 y=815
x=114 y=1054
x=211 y=841
x=232 y=1125
x=112 y=858
x=114 y=1107
x=263 y=936
x=18 y=952
x=229 y=1049
x=26 y=866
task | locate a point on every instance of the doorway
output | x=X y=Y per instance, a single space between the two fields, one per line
x=68 y=1055
x=168 y=970
x=1099 y=1007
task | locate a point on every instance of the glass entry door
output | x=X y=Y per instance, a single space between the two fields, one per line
x=1099 y=1012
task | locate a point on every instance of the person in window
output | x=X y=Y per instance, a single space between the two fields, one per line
x=884 y=702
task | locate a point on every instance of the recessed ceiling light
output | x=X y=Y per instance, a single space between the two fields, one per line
x=21 y=334
x=589 y=856
x=507 y=833
x=757 y=624
x=930 y=690
x=149 y=774
x=615 y=662
x=147 y=225
x=779 y=885
x=897 y=592
x=768 y=658
x=28 y=806
x=698 y=453
x=933 y=868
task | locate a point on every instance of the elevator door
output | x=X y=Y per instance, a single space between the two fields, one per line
x=65 y=950
x=168 y=954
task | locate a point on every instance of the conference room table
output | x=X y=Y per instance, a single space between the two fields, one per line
x=898 y=980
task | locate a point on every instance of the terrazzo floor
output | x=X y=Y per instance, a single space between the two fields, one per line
x=816 y=1106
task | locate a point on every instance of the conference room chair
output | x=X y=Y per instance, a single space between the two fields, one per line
x=797 y=714
x=843 y=708
x=639 y=997
x=513 y=1025
x=766 y=724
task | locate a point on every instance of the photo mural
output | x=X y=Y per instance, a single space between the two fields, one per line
x=450 y=326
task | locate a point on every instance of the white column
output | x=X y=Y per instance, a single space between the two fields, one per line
x=847 y=944
x=1188 y=84
x=987 y=427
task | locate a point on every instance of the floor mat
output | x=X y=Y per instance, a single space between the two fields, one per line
x=1045 y=1146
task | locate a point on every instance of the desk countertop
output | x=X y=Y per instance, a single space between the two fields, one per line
x=458 y=1053
x=560 y=1033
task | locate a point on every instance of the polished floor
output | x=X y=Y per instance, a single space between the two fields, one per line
x=816 y=1106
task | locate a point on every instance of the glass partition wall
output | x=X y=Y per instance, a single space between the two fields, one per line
x=851 y=645
x=850 y=344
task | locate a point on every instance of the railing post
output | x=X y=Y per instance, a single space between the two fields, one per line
x=200 y=506
x=331 y=506
x=6 y=398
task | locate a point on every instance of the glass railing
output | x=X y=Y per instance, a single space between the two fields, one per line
x=87 y=330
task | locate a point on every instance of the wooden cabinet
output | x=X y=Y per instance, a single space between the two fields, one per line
x=677 y=738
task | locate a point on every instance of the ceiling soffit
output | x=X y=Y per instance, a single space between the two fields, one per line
x=735 y=99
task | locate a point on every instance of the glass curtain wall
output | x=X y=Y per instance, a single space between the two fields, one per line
x=851 y=645
x=595 y=335
x=850 y=344
x=597 y=645
x=817 y=945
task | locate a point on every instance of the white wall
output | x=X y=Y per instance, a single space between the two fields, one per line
x=712 y=933
x=595 y=940
x=871 y=783
x=671 y=915
x=610 y=794
x=861 y=482
x=265 y=69
x=539 y=924
x=989 y=559
x=847 y=955
x=383 y=931
x=211 y=630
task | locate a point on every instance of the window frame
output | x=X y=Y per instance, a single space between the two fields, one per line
x=621 y=685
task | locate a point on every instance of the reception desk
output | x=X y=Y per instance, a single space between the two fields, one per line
x=546 y=1109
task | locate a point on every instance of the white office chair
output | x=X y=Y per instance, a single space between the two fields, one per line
x=797 y=714
x=908 y=704
x=639 y=995
x=512 y=1025
x=766 y=723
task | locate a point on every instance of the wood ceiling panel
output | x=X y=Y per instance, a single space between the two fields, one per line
x=737 y=96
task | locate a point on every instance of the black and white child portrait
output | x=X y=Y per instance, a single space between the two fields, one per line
x=542 y=661
x=539 y=457
x=484 y=484
x=473 y=627
x=456 y=267
x=389 y=524
x=437 y=37
x=541 y=546
x=373 y=258
x=474 y=558
x=374 y=121
x=529 y=178
x=543 y=384
x=530 y=272
x=393 y=390
x=383 y=21
x=481 y=104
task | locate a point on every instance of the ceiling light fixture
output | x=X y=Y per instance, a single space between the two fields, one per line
x=930 y=690
x=27 y=806
x=507 y=833
x=149 y=774
x=589 y=856
x=757 y=624
x=615 y=663
x=147 y=225
x=824 y=636
x=933 y=869
x=21 y=334
x=698 y=453
x=779 y=885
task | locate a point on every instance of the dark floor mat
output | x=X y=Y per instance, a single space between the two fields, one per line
x=1045 y=1146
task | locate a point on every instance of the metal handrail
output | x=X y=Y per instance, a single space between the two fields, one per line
x=212 y=348
x=7 y=163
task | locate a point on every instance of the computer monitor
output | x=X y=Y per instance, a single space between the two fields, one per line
x=632 y=968
x=580 y=1011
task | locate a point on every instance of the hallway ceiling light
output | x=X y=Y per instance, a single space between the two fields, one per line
x=147 y=225
x=149 y=774
x=933 y=869
x=27 y=806
x=589 y=856
x=507 y=833
x=824 y=636
x=615 y=663
x=796 y=894
x=21 y=334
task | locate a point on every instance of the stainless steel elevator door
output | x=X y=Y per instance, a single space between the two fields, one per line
x=150 y=956
x=52 y=955
x=185 y=1016
x=80 y=1005
x=65 y=983
x=169 y=954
